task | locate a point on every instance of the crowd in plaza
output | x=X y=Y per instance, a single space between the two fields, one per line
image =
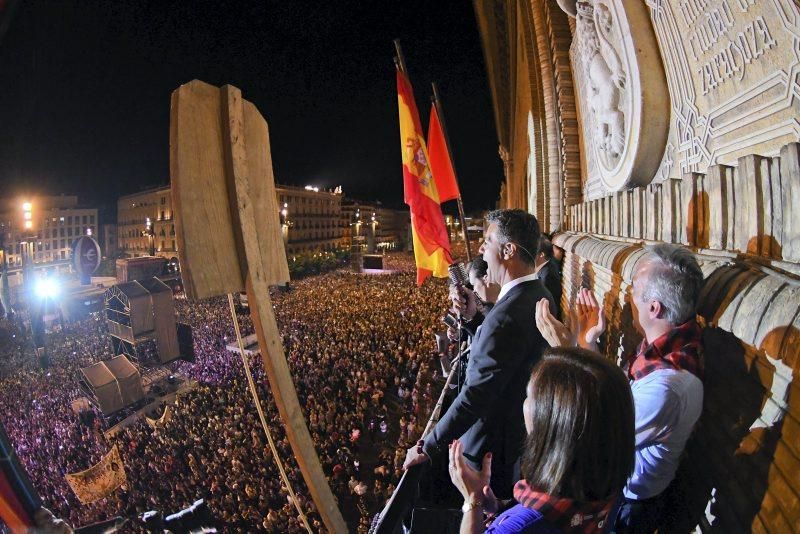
x=362 y=353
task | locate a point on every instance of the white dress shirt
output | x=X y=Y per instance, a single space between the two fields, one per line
x=515 y=282
x=667 y=405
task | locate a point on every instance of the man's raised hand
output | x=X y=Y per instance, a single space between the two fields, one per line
x=464 y=302
x=591 y=321
x=553 y=330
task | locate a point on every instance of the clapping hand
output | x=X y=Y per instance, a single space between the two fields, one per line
x=591 y=322
x=585 y=317
x=471 y=483
x=553 y=330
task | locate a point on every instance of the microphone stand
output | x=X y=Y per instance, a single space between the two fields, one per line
x=461 y=352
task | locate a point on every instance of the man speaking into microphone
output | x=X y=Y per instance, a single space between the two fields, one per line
x=487 y=413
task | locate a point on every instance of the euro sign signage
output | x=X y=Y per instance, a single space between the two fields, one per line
x=85 y=255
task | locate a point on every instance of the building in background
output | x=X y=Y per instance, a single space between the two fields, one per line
x=108 y=240
x=43 y=227
x=310 y=219
x=370 y=227
x=392 y=230
x=145 y=224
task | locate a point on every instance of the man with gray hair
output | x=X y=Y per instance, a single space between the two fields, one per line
x=665 y=373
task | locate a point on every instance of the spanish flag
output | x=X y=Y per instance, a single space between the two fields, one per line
x=443 y=173
x=431 y=244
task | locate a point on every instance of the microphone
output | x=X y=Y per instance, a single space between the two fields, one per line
x=459 y=279
x=458 y=274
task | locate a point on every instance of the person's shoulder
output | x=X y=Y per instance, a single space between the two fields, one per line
x=666 y=389
x=671 y=380
x=520 y=520
x=525 y=293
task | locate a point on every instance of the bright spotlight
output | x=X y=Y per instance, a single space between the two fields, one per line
x=26 y=206
x=47 y=288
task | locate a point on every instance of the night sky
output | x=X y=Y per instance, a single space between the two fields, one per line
x=85 y=90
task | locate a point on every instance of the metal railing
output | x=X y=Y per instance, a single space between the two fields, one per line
x=396 y=508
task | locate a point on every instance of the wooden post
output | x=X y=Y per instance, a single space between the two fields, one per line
x=229 y=239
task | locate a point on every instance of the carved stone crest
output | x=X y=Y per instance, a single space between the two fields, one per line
x=622 y=93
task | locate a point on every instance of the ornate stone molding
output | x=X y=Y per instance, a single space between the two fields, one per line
x=752 y=209
x=733 y=68
x=622 y=90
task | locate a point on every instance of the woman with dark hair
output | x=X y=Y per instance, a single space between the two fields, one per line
x=578 y=454
x=486 y=289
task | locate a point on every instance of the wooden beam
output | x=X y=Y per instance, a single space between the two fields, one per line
x=224 y=198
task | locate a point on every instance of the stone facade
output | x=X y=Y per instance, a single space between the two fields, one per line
x=310 y=219
x=725 y=182
x=732 y=68
x=751 y=209
x=371 y=227
x=57 y=221
x=134 y=210
x=622 y=94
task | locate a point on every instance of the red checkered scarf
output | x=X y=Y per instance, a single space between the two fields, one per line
x=566 y=515
x=681 y=349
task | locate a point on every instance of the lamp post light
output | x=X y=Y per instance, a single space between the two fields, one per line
x=27 y=239
x=150 y=233
x=285 y=223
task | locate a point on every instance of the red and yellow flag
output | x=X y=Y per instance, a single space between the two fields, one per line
x=431 y=244
x=441 y=165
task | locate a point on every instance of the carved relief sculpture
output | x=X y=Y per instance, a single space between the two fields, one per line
x=733 y=68
x=614 y=43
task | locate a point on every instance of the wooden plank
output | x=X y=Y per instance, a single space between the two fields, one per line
x=204 y=228
x=229 y=239
x=262 y=193
x=269 y=338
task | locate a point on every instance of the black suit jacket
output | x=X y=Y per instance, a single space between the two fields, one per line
x=550 y=275
x=487 y=413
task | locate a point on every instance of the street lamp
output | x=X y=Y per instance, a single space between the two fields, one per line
x=27 y=215
x=26 y=240
x=150 y=233
x=285 y=223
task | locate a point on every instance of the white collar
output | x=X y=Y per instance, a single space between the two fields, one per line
x=515 y=282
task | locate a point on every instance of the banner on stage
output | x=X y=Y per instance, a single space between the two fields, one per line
x=100 y=480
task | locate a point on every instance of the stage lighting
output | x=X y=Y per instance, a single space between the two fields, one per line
x=47 y=288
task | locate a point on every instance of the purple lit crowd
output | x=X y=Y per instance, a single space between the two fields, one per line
x=362 y=353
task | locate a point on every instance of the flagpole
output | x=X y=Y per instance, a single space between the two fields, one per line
x=400 y=60
x=438 y=103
